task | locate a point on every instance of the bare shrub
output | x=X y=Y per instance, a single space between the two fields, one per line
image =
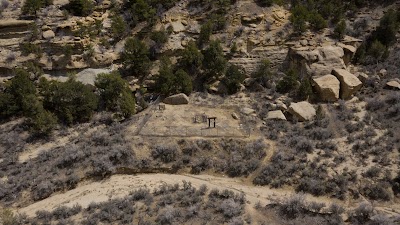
x=362 y=214
x=43 y=190
x=377 y=191
x=372 y=172
x=374 y=104
x=140 y=194
x=336 y=209
x=238 y=221
x=316 y=206
x=11 y=57
x=166 y=154
x=167 y=216
x=293 y=206
x=200 y=165
x=101 y=167
x=230 y=208
x=393 y=98
x=304 y=145
x=4 y=4
x=381 y=219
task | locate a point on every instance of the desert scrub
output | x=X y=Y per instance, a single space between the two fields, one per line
x=61 y=168
x=167 y=204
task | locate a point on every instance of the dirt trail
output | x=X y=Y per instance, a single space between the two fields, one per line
x=120 y=186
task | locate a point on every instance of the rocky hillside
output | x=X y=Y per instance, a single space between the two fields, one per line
x=271 y=111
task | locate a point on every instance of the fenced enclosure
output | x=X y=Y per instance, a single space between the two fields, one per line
x=188 y=131
x=191 y=121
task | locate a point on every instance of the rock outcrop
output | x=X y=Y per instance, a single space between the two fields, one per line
x=349 y=84
x=88 y=76
x=318 y=61
x=178 y=99
x=48 y=34
x=328 y=87
x=303 y=111
x=393 y=84
x=275 y=115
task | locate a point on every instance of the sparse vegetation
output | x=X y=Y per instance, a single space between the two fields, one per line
x=58 y=134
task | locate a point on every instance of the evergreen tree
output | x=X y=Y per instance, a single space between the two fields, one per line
x=115 y=94
x=205 y=33
x=214 y=62
x=288 y=82
x=183 y=82
x=118 y=27
x=340 y=30
x=305 y=90
x=30 y=7
x=81 y=7
x=169 y=82
x=135 y=57
x=70 y=101
x=191 y=59
x=263 y=72
x=16 y=99
x=234 y=76
x=142 y=11
x=299 y=18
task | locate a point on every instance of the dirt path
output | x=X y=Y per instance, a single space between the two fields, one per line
x=121 y=185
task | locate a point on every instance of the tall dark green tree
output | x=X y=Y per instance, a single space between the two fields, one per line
x=115 y=94
x=214 y=62
x=317 y=22
x=71 y=101
x=388 y=28
x=165 y=79
x=191 y=59
x=16 y=99
x=142 y=11
x=234 y=76
x=135 y=57
x=81 y=7
x=118 y=27
x=263 y=72
x=305 y=90
x=340 y=30
x=205 y=33
x=183 y=82
x=288 y=82
x=30 y=7
x=41 y=122
x=168 y=82
x=299 y=18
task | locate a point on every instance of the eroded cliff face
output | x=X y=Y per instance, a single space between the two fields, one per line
x=58 y=41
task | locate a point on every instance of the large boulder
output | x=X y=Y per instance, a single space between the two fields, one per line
x=349 y=84
x=303 y=111
x=48 y=34
x=349 y=52
x=393 y=84
x=88 y=76
x=177 y=26
x=318 y=61
x=328 y=87
x=178 y=99
x=276 y=115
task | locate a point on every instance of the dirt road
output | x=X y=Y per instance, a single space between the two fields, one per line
x=120 y=186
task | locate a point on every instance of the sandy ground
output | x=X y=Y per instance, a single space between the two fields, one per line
x=179 y=120
x=120 y=186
